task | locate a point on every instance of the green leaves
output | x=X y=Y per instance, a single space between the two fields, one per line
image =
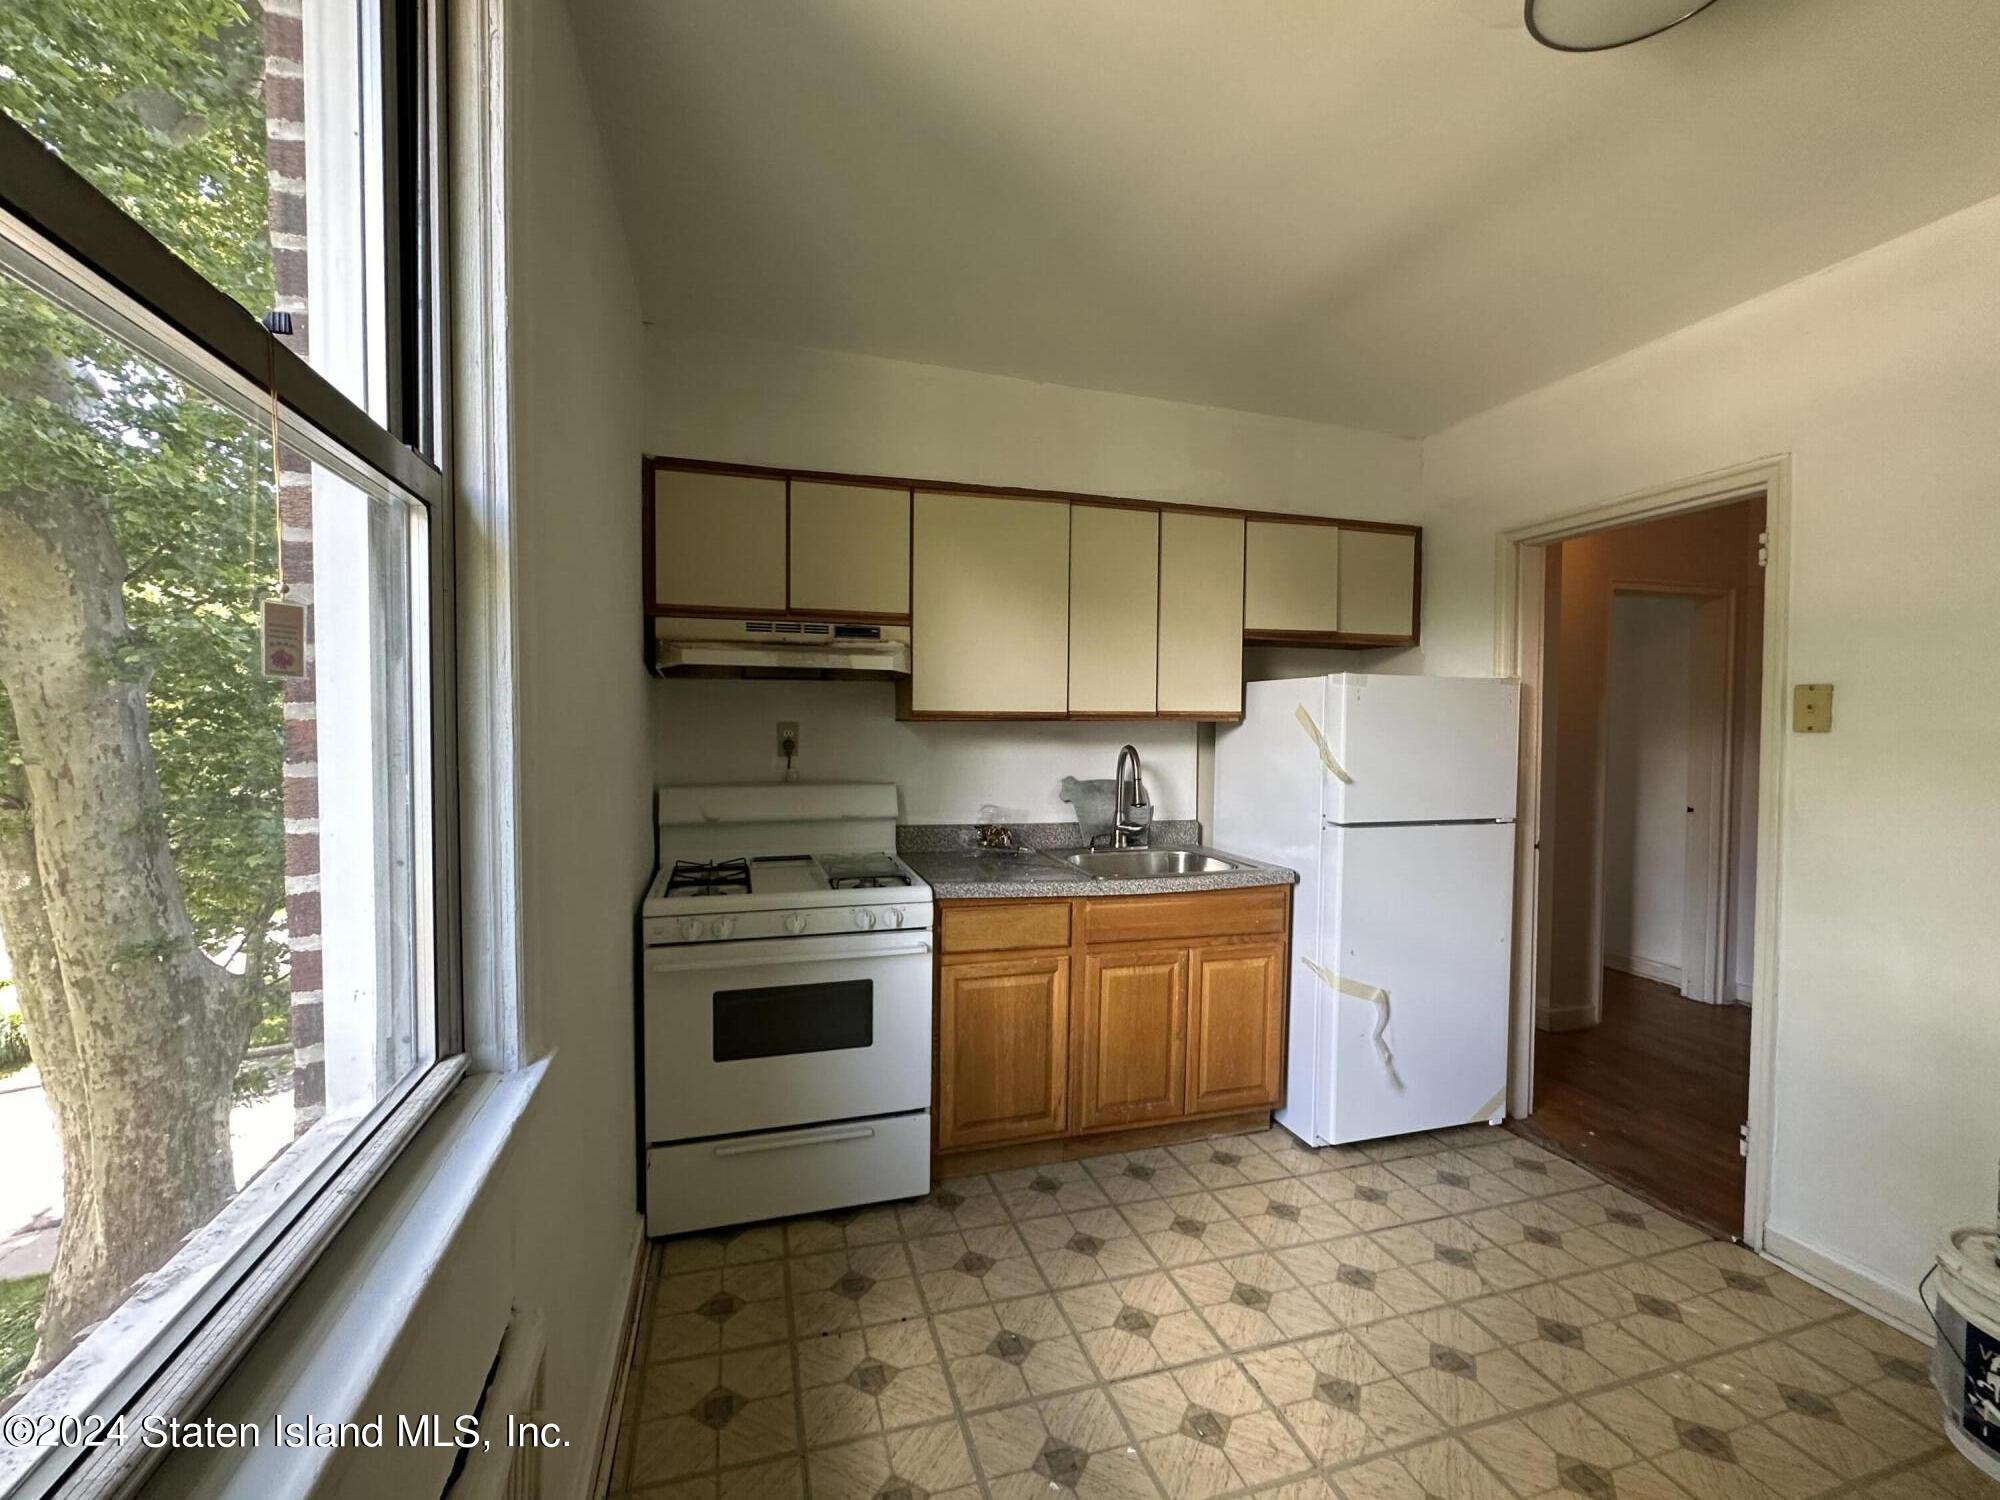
x=159 y=103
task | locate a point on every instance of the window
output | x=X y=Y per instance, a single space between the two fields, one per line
x=226 y=958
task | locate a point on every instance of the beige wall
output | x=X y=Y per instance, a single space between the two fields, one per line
x=1714 y=549
x=811 y=408
x=586 y=829
x=1880 y=378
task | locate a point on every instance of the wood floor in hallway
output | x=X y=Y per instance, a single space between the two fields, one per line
x=1652 y=1098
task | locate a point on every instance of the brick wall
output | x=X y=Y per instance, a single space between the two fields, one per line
x=285 y=155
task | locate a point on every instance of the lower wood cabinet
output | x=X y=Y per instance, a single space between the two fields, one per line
x=1129 y=1038
x=1177 y=1012
x=1236 y=1028
x=1003 y=1050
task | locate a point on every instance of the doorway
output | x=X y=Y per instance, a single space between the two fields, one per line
x=1643 y=671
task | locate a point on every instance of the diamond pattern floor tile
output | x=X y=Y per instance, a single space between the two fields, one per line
x=1460 y=1315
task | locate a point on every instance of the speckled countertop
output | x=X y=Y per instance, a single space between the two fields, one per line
x=947 y=856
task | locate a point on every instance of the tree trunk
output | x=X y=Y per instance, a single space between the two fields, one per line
x=137 y=1032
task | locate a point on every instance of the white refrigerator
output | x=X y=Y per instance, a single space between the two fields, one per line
x=1393 y=797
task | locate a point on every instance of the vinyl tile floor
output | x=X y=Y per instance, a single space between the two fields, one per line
x=1457 y=1316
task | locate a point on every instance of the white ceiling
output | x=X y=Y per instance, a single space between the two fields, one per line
x=1384 y=213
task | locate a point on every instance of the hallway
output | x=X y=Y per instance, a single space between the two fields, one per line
x=1652 y=1098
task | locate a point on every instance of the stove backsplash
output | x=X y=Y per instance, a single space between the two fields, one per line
x=722 y=732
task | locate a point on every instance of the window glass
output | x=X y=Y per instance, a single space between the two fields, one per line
x=242 y=136
x=214 y=880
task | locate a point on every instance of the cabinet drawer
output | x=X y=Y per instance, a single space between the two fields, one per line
x=1256 y=911
x=993 y=927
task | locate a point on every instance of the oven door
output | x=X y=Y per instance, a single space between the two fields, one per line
x=789 y=1031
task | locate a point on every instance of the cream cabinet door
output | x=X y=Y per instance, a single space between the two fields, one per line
x=1291 y=577
x=1114 y=602
x=718 y=540
x=1201 y=614
x=850 y=548
x=989 y=606
x=1378 y=582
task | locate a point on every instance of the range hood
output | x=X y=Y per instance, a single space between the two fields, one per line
x=690 y=645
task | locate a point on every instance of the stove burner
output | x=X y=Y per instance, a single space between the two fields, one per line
x=862 y=872
x=699 y=877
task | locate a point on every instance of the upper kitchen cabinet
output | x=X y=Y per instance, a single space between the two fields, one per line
x=1013 y=604
x=1114 y=608
x=718 y=541
x=1314 y=582
x=1378 y=584
x=1291 y=579
x=1201 y=615
x=850 y=550
x=989 y=608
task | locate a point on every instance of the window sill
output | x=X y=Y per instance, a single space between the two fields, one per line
x=329 y=1346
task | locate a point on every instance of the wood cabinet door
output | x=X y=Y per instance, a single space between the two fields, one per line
x=1114 y=609
x=1201 y=614
x=1291 y=578
x=850 y=549
x=1131 y=1038
x=1236 y=1025
x=1378 y=583
x=989 y=606
x=1003 y=1051
x=718 y=541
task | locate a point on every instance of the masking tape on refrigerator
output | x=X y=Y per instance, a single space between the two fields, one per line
x=1325 y=751
x=1376 y=996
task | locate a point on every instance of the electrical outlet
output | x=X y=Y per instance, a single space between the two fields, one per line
x=1812 y=707
x=788 y=739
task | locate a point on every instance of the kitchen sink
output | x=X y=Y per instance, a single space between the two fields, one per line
x=1148 y=864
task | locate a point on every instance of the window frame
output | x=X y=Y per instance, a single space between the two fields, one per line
x=70 y=242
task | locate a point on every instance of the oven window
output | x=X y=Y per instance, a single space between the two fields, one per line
x=783 y=1019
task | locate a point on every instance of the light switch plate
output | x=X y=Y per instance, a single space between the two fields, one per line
x=1812 y=707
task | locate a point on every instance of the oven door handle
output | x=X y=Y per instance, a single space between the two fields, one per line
x=774 y=951
x=825 y=1137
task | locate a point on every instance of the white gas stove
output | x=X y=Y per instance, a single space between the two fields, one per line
x=786 y=1006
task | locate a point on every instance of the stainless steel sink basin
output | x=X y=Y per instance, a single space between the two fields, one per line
x=1148 y=864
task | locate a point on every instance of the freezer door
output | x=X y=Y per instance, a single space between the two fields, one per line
x=1422 y=915
x=1422 y=749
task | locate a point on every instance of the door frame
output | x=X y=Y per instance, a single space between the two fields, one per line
x=1519 y=651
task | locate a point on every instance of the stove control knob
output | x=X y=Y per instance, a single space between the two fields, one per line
x=690 y=929
x=724 y=926
x=895 y=916
x=863 y=917
x=795 y=923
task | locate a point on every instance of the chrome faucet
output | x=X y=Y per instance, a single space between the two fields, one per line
x=1132 y=819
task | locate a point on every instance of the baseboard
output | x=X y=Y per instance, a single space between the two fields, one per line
x=1645 y=968
x=1739 y=991
x=1850 y=1283
x=1566 y=1018
x=611 y=1396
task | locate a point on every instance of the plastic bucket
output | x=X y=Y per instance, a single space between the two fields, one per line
x=1966 y=1365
